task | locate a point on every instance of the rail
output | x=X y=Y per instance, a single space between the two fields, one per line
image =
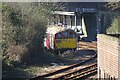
x=63 y=70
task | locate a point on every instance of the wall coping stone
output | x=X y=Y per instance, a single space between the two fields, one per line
x=116 y=39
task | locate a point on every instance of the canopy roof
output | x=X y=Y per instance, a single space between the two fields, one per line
x=64 y=13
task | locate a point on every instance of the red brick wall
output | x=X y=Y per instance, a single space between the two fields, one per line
x=108 y=49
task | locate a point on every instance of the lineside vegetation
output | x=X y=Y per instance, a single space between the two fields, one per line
x=24 y=26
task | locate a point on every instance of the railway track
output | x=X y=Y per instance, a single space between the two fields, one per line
x=79 y=74
x=84 y=72
x=87 y=45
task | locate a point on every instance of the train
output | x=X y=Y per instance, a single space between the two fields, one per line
x=59 y=39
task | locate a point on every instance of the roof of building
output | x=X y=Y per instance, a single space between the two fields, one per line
x=56 y=29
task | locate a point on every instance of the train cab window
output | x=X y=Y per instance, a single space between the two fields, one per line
x=71 y=35
x=65 y=34
x=58 y=36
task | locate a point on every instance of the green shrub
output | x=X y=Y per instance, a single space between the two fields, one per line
x=114 y=28
x=24 y=26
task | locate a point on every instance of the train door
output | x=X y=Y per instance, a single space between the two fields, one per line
x=47 y=41
x=52 y=41
x=58 y=42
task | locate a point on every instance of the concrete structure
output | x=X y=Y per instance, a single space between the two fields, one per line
x=90 y=18
x=90 y=13
x=108 y=56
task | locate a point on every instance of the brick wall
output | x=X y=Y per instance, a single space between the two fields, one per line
x=108 y=54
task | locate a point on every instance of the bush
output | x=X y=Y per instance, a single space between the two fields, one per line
x=22 y=33
x=24 y=26
x=114 y=27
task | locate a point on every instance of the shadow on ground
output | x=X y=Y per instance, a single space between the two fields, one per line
x=11 y=73
x=47 y=58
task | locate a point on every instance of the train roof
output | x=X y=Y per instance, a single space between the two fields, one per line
x=56 y=29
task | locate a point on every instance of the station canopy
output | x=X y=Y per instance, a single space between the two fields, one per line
x=64 y=13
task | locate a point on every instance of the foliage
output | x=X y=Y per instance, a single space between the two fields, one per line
x=114 y=27
x=114 y=6
x=24 y=25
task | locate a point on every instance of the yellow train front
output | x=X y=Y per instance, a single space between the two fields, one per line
x=60 y=39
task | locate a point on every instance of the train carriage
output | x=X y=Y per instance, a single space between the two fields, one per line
x=60 y=39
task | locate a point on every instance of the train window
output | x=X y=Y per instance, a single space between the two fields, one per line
x=58 y=36
x=65 y=34
x=71 y=35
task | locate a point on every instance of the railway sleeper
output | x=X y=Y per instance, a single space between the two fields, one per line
x=75 y=72
x=87 y=75
x=80 y=75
